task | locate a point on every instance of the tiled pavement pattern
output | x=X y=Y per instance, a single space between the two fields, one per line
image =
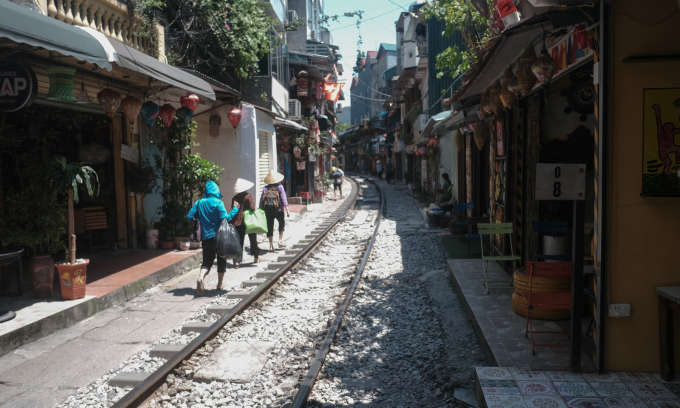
x=499 y=387
x=499 y=328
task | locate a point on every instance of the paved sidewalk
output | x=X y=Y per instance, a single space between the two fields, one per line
x=43 y=373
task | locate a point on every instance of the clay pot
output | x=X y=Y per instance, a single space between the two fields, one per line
x=42 y=276
x=73 y=279
x=167 y=244
x=194 y=245
x=184 y=245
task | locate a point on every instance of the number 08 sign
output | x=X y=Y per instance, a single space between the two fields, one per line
x=560 y=181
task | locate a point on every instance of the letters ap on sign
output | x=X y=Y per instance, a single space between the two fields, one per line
x=560 y=181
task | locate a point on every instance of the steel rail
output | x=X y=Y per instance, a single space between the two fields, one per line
x=142 y=392
x=305 y=389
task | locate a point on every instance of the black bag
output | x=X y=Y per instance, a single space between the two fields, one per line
x=227 y=241
x=196 y=227
x=271 y=198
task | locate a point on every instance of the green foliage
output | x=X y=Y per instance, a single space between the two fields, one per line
x=184 y=176
x=141 y=178
x=218 y=37
x=341 y=127
x=69 y=176
x=459 y=15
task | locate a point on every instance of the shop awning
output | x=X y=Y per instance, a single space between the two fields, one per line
x=28 y=27
x=130 y=58
x=506 y=52
x=288 y=124
x=435 y=120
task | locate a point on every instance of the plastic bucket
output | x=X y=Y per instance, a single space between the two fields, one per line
x=432 y=219
x=554 y=245
x=152 y=243
x=152 y=234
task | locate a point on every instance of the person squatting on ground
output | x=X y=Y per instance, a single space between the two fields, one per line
x=210 y=211
x=338 y=177
x=273 y=201
x=246 y=202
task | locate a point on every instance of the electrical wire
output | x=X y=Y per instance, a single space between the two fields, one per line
x=369 y=87
x=369 y=99
x=363 y=21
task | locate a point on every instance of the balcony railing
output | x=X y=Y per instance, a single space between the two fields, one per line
x=109 y=17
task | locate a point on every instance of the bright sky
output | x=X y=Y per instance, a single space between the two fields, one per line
x=377 y=27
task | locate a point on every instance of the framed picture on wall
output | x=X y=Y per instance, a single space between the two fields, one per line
x=661 y=143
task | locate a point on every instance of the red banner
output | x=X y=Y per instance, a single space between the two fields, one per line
x=332 y=90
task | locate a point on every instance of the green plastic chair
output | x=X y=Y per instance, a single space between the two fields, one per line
x=505 y=228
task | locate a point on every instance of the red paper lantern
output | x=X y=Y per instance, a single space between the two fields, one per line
x=234 y=116
x=109 y=100
x=190 y=101
x=167 y=115
x=131 y=107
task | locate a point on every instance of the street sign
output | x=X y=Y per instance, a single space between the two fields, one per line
x=565 y=182
x=18 y=85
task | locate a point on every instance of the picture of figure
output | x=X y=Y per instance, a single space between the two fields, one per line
x=666 y=134
x=661 y=143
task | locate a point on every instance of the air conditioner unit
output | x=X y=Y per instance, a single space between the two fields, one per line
x=294 y=109
x=291 y=17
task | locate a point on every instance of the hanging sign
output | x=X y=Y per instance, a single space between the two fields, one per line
x=18 y=85
x=129 y=154
x=562 y=182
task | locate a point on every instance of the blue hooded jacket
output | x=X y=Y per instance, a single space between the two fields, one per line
x=210 y=211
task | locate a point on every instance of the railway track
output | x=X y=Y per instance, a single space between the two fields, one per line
x=288 y=314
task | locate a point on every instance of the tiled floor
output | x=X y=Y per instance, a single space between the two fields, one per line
x=502 y=387
x=500 y=329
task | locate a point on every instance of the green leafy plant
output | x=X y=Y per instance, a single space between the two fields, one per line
x=141 y=178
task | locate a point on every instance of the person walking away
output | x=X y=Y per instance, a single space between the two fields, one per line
x=379 y=169
x=210 y=210
x=273 y=201
x=364 y=167
x=246 y=202
x=389 y=169
x=337 y=178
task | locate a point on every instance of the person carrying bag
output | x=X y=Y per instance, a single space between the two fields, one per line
x=212 y=214
x=241 y=221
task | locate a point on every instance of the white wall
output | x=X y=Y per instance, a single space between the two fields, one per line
x=264 y=128
x=280 y=96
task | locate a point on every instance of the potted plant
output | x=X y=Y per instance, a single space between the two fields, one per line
x=67 y=178
x=34 y=218
x=142 y=179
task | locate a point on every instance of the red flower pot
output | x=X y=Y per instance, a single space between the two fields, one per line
x=42 y=276
x=73 y=279
x=167 y=245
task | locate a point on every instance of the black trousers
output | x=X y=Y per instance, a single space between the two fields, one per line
x=209 y=256
x=275 y=215
x=254 y=248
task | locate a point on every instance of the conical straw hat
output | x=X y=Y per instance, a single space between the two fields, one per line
x=242 y=185
x=273 y=177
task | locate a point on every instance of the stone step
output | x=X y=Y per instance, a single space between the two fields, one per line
x=299 y=246
x=239 y=294
x=220 y=310
x=311 y=237
x=197 y=327
x=285 y=258
x=265 y=274
x=166 y=351
x=129 y=379
x=253 y=283
x=292 y=252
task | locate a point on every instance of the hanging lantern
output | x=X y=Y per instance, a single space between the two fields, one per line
x=234 y=116
x=130 y=107
x=109 y=100
x=302 y=87
x=508 y=98
x=297 y=152
x=190 y=100
x=184 y=116
x=513 y=85
x=480 y=134
x=214 y=124
x=484 y=104
x=544 y=67
x=61 y=83
x=460 y=143
x=496 y=104
x=167 y=114
x=150 y=112
x=525 y=77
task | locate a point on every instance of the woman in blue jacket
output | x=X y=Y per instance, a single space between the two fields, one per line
x=210 y=210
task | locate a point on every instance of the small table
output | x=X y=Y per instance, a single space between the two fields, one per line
x=9 y=256
x=669 y=300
